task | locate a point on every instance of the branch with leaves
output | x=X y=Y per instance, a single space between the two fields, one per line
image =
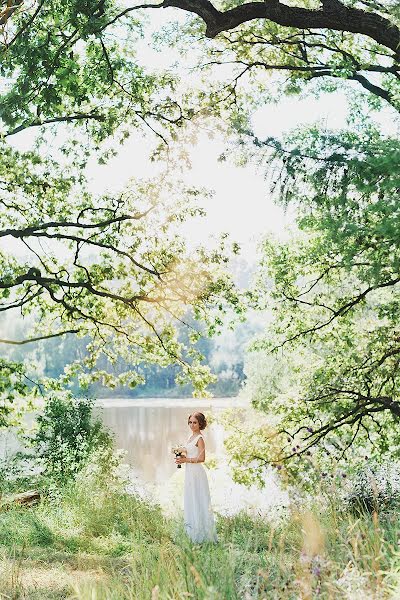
x=332 y=14
x=331 y=377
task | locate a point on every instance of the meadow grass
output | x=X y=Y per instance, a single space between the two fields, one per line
x=93 y=543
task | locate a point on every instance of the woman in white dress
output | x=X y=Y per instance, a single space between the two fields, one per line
x=198 y=515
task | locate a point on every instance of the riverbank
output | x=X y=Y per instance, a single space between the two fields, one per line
x=93 y=541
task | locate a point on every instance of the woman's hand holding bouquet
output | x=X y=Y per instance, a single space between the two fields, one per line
x=179 y=450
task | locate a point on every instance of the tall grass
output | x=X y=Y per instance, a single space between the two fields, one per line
x=94 y=543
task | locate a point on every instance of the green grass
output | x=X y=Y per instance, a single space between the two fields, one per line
x=97 y=543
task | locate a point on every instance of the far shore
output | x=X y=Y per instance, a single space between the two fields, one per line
x=224 y=402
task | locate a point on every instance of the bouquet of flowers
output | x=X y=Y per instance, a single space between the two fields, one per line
x=179 y=450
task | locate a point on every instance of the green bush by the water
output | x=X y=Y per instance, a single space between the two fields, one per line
x=67 y=434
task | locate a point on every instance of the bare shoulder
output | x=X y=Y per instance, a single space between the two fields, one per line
x=200 y=442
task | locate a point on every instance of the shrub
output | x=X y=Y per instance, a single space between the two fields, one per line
x=67 y=435
x=374 y=487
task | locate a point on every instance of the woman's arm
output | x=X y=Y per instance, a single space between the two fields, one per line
x=201 y=456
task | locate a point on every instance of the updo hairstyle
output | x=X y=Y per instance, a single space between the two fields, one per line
x=200 y=418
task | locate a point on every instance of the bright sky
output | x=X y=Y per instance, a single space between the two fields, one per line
x=241 y=204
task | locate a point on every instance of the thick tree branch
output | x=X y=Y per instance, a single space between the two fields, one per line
x=90 y=242
x=373 y=89
x=34 y=275
x=10 y=9
x=333 y=15
x=34 y=229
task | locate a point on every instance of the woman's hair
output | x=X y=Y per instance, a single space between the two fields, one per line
x=200 y=418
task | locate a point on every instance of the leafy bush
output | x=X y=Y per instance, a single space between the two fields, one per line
x=67 y=435
x=374 y=487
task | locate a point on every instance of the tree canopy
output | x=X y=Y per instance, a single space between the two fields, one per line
x=335 y=294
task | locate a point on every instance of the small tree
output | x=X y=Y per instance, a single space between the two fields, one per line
x=68 y=433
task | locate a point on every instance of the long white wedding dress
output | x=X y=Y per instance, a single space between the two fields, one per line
x=198 y=515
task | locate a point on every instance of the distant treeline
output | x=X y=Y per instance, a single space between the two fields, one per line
x=224 y=354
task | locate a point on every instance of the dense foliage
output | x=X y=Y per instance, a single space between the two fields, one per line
x=336 y=292
x=67 y=435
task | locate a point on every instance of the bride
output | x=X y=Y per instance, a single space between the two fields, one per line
x=199 y=518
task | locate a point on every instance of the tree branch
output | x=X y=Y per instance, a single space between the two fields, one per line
x=62 y=119
x=333 y=15
x=37 y=339
x=33 y=229
x=11 y=8
x=34 y=275
x=82 y=240
x=340 y=312
x=374 y=89
x=27 y=24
